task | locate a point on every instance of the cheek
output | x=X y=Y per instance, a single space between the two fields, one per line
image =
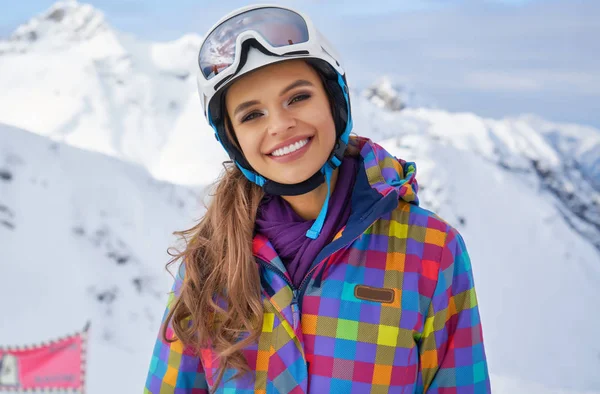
x=326 y=127
x=320 y=116
x=249 y=143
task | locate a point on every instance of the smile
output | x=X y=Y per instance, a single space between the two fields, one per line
x=290 y=148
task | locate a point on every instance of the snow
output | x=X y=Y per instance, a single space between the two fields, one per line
x=384 y=95
x=100 y=128
x=108 y=92
x=75 y=227
x=535 y=277
x=65 y=21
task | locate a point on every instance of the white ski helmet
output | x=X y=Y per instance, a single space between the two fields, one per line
x=253 y=37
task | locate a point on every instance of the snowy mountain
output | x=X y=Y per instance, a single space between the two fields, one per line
x=99 y=89
x=383 y=94
x=562 y=160
x=536 y=277
x=67 y=21
x=84 y=237
x=394 y=96
x=524 y=192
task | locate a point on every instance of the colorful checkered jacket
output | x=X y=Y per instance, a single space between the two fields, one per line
x=388 y=306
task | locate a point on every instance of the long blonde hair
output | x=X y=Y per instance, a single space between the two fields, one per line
x=219 y=265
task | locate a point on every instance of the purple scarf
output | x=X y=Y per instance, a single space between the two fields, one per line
x=286 y=230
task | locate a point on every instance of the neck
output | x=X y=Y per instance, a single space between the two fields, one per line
x=308 y=205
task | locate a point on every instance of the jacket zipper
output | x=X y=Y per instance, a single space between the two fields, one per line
x=290 y=284
x=305 y=281
x=278 y=273
x=309 y=275
x=367 y=218
x=298 y=293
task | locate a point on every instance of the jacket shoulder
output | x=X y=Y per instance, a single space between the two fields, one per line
x=417 y=216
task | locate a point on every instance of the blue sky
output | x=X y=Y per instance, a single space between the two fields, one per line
x=492 y=57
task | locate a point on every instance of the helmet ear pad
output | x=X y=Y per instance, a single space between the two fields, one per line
x=228 y=137
x=221 y=122
x=337 y=101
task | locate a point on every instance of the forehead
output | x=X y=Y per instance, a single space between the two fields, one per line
x=270 y=79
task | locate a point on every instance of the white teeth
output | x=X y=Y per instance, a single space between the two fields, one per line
x=289 y=149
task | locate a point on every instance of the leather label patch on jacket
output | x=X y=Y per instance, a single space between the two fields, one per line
x=375 y=294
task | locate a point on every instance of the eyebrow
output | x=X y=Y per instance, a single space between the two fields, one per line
x=298 y=83
x=247 y=104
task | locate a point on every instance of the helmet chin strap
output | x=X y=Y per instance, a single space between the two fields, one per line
x=281 y=189
x=333 y=162
x=323 y=175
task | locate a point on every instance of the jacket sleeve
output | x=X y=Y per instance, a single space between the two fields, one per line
x=452 y=355
x=174 y=368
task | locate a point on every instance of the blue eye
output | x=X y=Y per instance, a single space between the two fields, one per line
x=300 y=97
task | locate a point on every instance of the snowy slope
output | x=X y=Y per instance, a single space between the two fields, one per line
x=537 y=279
x=84 y=237
x=564 y=158
x=524 y=192
x=99 y=89
x=105 y=227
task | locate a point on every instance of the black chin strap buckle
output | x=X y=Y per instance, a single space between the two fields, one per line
x=336 y=157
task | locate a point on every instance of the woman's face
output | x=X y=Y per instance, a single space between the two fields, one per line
x=282 y=120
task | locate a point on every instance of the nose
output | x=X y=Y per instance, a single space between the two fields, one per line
x=280 y=121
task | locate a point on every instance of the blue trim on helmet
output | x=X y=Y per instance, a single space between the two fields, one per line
x=252 y=176
x=210 y=121
x=346 y=134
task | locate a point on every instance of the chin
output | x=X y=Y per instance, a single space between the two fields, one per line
x=295 y=178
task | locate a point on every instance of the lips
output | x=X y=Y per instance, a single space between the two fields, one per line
x=292 y=156
x=288 y=142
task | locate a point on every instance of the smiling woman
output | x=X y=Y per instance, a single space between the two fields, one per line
x=314 y=269
x=263 y=117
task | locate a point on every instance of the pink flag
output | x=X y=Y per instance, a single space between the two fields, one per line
x=57 y=365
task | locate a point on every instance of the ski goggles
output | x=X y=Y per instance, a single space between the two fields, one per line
x=279 y=30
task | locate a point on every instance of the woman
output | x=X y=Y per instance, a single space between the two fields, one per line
x=314 y=269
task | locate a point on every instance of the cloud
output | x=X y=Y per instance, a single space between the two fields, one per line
x=483 y=55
